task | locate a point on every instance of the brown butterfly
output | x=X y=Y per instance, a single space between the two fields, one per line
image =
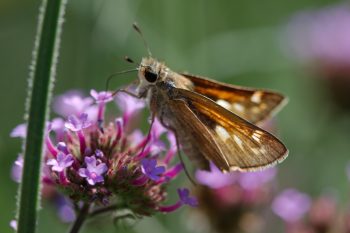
x=212 y=121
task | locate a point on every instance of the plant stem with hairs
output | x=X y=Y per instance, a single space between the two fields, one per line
x=40 y=85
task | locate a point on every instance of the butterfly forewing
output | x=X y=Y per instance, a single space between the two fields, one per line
x=194 y=136
x=235 y=144
x=253 y=105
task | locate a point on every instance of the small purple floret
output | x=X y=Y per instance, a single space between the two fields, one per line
x=14 y=225
x=157 y=129
x=99 y=153
x=61 y=162
x=101 y=97
x=66 y=214
x=93 y=173
x=17 y=169
x=215 y=178
x=20 y=131
x=149 y=168
x=61 y=146
x=291 y=205
x=253 y=180
x=185 y=197
x=129 y=105
x=78 y=123
x=71 y=103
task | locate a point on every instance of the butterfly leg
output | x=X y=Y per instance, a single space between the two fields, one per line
x=149 y=133
x=127 y=92
x=178 y=150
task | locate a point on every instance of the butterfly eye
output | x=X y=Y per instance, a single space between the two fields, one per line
x=150 y=76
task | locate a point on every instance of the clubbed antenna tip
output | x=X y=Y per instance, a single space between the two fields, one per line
x=136 y=27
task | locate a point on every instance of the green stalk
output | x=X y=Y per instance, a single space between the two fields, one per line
x=40 y=86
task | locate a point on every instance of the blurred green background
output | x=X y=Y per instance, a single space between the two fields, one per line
x=237 y=42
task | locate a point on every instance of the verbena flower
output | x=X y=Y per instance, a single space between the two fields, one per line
x=19 y=131
x=321 y=35
x=319 y=39
x=93 y=172
x=72 y=103
x=232 y=202
x=302 y=214
x=149 y=168
x=237 y=187
x=291 y=205
x=109 y=162
x=65 y=209
x=61 y=162
x=13 y=224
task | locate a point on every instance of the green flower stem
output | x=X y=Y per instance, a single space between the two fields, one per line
x=41 y=80
x=83 y=214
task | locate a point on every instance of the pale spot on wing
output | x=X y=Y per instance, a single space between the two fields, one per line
x=255 y=150
x=263 y=150
x=234 y=168
x=256 y=97
x=224 y=104
x=222 y=132
x=238 y=141
x=256 y=136
x=238 y=107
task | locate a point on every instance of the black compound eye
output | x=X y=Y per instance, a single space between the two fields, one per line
x=150 y=76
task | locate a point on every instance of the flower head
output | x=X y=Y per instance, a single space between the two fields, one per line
x=322 y=35
x=320 y=38
x=291 y=205
x=100 y=161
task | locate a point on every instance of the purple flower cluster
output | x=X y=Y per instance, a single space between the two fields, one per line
x=321 y=35
x=303 y=214
x=237 y=187
x=93 y=160
x=230 y=202
x=291 y=205
x=320 y=38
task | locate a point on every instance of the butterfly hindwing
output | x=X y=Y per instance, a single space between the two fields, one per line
x=251 y=104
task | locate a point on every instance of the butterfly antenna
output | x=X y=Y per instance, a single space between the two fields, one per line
x=128 y=59
x=136 y=27
x=116 y=74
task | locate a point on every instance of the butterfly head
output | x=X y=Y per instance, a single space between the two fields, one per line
x=151 y=72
